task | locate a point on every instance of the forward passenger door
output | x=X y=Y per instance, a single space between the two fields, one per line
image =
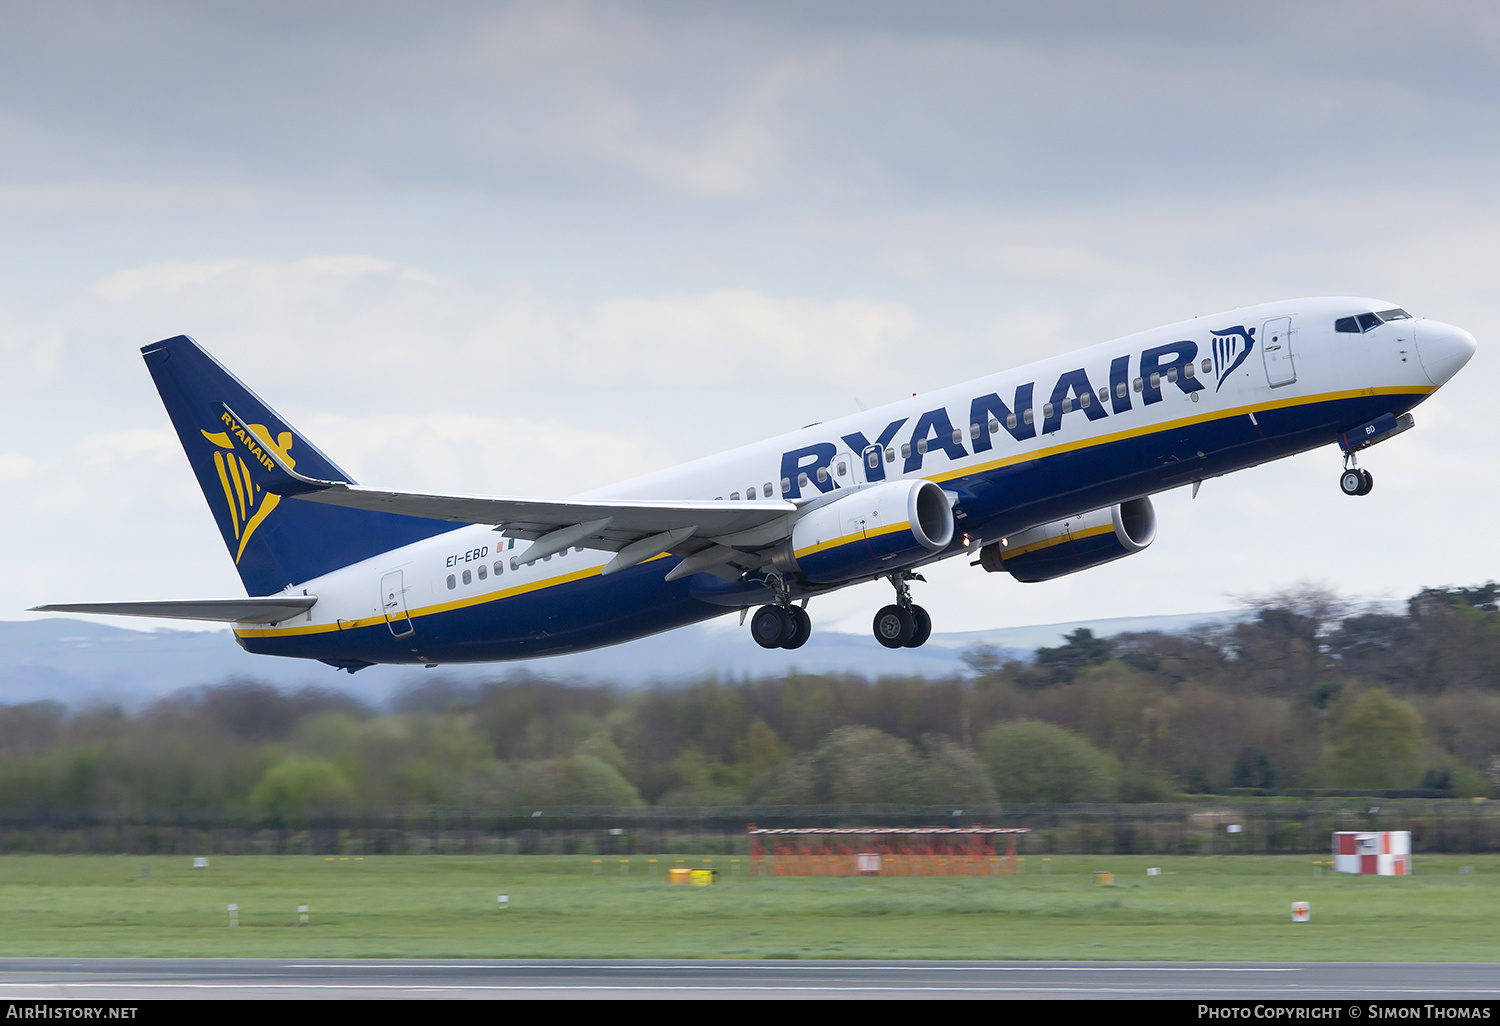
x=1276 y=351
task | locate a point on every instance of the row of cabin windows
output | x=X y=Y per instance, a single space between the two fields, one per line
x=1361 y=323
x=1027 y=416
x=484 y=571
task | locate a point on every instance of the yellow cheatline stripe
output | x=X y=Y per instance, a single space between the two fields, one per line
x=994 y=464
x=849 y=539
x=443 y=607
x=1173 y=425
x=1057 y=540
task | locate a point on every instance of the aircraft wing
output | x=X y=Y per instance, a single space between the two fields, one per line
x=637 y=531
x=523 y=516
x=709 y=535
x=271 y=609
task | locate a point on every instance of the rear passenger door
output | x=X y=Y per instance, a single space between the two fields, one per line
x=393 y=604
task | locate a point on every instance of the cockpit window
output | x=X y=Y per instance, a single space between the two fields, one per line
x=1366 y=321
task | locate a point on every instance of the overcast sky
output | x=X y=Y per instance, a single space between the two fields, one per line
x=530 y=249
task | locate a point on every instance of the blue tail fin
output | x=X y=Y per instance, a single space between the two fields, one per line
x=273 y=541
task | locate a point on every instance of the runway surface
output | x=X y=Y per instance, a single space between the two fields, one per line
x=105 y=979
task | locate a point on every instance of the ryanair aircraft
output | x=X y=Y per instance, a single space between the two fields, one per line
x=1040 y=472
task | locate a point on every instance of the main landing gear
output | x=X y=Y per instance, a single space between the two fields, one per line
x=1354 y=480
x=903 y=625
x=781 y=625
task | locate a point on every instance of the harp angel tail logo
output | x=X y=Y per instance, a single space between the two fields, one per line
x=239 y=448
x=1231 y=346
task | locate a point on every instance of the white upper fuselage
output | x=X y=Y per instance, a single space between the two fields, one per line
x=1230 y=378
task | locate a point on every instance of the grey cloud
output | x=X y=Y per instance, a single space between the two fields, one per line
x=818 y=104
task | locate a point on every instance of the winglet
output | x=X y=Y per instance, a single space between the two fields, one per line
x=283 y=480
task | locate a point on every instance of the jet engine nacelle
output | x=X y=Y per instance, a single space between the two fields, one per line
x=874 y=530
x=1077 y=543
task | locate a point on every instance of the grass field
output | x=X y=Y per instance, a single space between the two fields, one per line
x=1213 y=908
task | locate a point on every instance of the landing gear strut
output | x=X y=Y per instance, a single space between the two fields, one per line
x=903 y=625
x=1354 y=480
x=781 y=624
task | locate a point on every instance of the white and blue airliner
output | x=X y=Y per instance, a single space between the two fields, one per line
x=1040 y=472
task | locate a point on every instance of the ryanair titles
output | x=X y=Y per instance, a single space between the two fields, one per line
x=1174 y=363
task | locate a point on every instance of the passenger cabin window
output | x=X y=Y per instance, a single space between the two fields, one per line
x=499 y=569
x=483 y=573
x=468 y=577
x=786 y=484
x=452 y=583
x=734 y=496
x=766 y=489
x=750 y=492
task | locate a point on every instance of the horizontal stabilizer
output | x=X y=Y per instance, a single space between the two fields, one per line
x=231 y=610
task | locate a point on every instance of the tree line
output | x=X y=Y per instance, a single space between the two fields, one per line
x=1302 y=693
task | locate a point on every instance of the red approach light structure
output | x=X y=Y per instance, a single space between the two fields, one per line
x=884 y=851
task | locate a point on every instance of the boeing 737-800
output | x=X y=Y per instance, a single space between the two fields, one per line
x=1039 y=472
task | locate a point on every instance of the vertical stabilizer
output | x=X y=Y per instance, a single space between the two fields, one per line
x=273 y=541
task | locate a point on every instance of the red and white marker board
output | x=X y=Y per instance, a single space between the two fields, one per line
x=1374 y=852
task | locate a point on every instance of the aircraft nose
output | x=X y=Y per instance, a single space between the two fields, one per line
x=1443 y=349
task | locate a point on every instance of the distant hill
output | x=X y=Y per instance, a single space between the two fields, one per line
x=78 y=662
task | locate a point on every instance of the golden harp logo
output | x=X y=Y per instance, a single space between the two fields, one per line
x=249 y=504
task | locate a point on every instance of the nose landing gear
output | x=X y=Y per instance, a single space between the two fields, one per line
x=1354 y=480
x=904 y=624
